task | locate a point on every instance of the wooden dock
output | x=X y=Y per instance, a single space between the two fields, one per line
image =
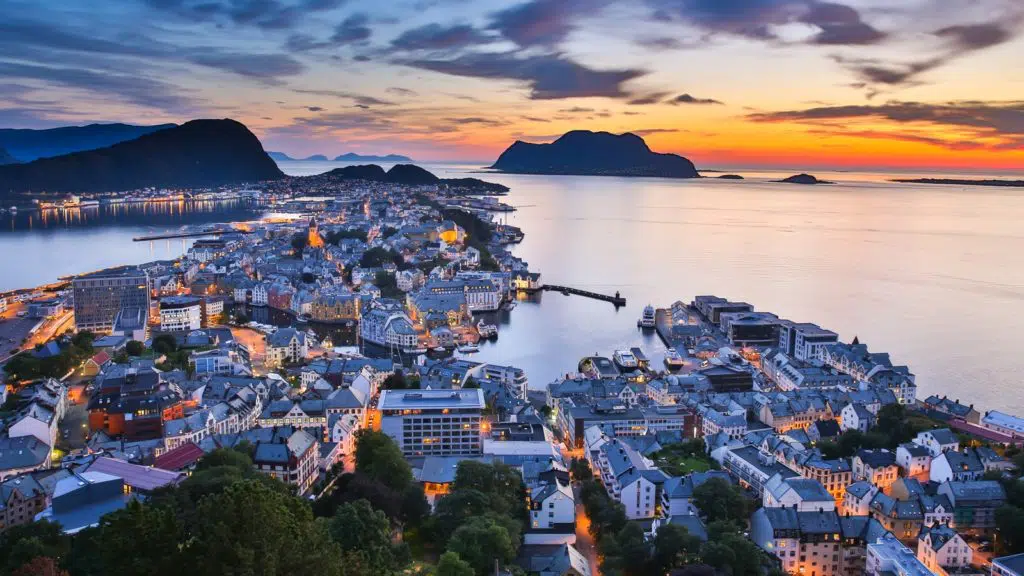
x=616 y=300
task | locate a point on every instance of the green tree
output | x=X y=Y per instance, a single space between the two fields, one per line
x=299 y=242
x=717 y=499
x=20 y=544
x=733 y=554
x=451 y=565
x=580 y=470
x=480 y=542
x=230 y=457
x=395 y=381
x=40 y=566
x=471 y=383
x=141 y=540
x=134 y=348
x=165 y=344
x=380 y=459
x=249 y=528
x=357 y=527
x=1010 y=526
x=674 y=547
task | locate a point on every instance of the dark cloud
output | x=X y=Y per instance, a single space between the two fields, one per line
x=438 y=37
x=314 y=108
x=361 y=99
x=352 y=30
x=402 y=91
x=976 y=36
x=652 y=98
x=872 y=71
x=649 y=131
x=535 y=119
x=133 y=88
x=476 y=120
x=266 y=14
x=839 y=24
x=982 y=119
x=549 y=77
x=541 y=22
x=266 y=67
x=576 y=110
x=687 y=99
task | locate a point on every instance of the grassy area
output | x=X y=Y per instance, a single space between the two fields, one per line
x=682 y=465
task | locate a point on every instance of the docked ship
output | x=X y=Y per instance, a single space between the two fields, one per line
x=625 y=360
x=487 y=330
x=468 y=348
x=647 y=320
x=673 y=359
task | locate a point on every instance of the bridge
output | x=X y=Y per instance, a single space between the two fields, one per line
x=187 y=235
x=616 y=300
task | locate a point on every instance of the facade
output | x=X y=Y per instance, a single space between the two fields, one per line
x=875 y=466
x=180 y=314
x=804 y=341
x=433 y=422
x=292 y=459
x=974 y=503
x=940 y=547
x=286 y=345
x=915 y=460
x=99 y=297
x=551 y=505
x=887 y=556
x=21 y=498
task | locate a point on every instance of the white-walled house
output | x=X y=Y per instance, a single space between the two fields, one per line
x=552 y=505
x=857 y=498
x=937 y=441
x=940 y=547
x=913 y=459
x=856 y=417
x=805 y=494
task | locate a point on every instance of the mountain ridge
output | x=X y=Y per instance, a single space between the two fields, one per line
x=197 y=154
x=410 y=175
x=27 y=144
x=587 y=153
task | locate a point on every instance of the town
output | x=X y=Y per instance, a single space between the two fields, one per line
x=174 y=392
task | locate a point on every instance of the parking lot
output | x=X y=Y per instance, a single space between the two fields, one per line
x=13 y=330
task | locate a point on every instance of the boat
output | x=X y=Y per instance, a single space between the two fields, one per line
x=468 y=348
x=439 y=349
x=625 y=360
x=487 y=330
x=511 y=304
x=673 y=359
x=647 y=320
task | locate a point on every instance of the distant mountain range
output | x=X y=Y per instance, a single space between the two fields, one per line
x=582 y=152
x=6 y=158
x=197 y=154
x=410 y=175
x=349 y=157
x=28 y=145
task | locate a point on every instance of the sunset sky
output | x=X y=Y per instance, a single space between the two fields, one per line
x=862 y=83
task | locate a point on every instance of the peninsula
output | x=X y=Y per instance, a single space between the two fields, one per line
x=411 y=175
x=586 y=153
x=27 y=145
x=963 y=182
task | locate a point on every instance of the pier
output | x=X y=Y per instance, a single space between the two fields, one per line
x=616 y=300
x=186 y=235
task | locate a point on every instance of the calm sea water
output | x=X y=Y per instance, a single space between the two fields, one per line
x=931 y=274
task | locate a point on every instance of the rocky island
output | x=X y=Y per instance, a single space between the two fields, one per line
x=804 y=179
x=197 y=154
x=586 y=153
x=353 y=157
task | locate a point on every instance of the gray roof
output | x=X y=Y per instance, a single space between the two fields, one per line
x=22 y=452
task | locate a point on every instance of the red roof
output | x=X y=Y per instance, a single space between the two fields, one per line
x=181 y=457
x=101 y=358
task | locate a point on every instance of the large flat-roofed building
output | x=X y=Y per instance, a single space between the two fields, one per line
x=100 y=296
x=433 y=422
x=180 y=313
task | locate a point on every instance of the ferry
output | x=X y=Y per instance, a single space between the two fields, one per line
x=673 y=359
x=647 y=320
x=487 y=330
x=468 y=348
x=439 y=349
x=625 y=360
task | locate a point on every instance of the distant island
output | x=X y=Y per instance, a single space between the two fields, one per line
x=282 y=157
x=586 y=153
x=197 y=154
x=6 y=158
x=353 y=157
x=411 y=175
x=804 y=179
x=963 y=182
x=730 y=177
x=27 y=145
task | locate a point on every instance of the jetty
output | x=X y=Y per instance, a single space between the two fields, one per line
x=187 y=235
x=616 y=300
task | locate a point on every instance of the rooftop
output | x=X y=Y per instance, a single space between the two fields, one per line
x=431 y=399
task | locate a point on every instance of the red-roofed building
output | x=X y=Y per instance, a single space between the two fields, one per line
x=183 y=457
x=93 y=365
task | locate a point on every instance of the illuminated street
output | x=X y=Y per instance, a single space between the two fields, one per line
x=584 y=541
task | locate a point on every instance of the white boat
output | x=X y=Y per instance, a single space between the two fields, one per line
x=647 y=320
x=673 y=359
x=486 y=330
x=439 y=349
x=468 y=348
x=625 y=360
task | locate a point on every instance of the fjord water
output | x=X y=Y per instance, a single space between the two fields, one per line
x=931 y=274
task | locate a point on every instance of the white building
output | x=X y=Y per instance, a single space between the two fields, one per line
x=180 y=314
x=389 y=329
x=888 y=557
x=856 y=417
x=913 y=459
x=259 y=294
x=803 y=494
x=552 y=505
x=940 y=547
x=631 y=479
x=433 y=422
x=937 y=441
x=286 y=345
x=1003 y=423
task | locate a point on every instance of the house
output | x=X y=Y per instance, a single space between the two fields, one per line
x=22 y=455
x=37 y=420
x=974 y=503
x=914 y=459
x=135 y=478
x=856 y=417
x=940 y=547
x=21 y=498
x=955 y=465
x=801 y=494
x=677 y=493
x=937 y=441
x=630 y=478
x=552 y=510
x=552 y=560
x=804 y=542
x=857 y=498
x=888 y=556
x=1003 y=423
x=290 y=455
x=286 y=345
x=952 y=408
x=823 y=430
x=80 y=500
x=875 y=466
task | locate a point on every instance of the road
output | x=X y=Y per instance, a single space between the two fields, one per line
x=256 y=342
x=584 y=541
